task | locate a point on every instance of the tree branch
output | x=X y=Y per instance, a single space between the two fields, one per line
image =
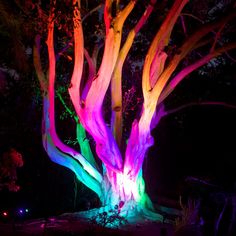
x=140 y=138
x=198 y=19
x=159 y=42
x=74 y=89
x=80 y=135
x=116 y=88
x=87 y=175
x=185 y=49
x=205 y=103
x=37 y=65
x=49 y=112
x=187 y=70
x=91 y=75
x=107 y=14
x=89 y=111
x=92 y=11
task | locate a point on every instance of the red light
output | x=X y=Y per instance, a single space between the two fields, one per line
x=5 y=213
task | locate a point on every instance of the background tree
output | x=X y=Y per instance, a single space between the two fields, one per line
x=9 y=162
x=168 y=61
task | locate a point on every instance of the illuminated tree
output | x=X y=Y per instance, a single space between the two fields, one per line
x=120 y=180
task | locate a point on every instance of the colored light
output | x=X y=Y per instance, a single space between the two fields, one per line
x=21 y=211
x=5 y=213
x=26 y=210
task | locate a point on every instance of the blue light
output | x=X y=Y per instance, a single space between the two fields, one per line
x=23 y=211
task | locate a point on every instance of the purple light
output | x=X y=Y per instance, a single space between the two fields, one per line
x=21 y=211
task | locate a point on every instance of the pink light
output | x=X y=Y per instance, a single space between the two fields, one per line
x=5 y=213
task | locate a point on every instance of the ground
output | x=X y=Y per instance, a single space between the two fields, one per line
x=68 y=224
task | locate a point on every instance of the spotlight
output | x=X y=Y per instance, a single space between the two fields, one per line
x=5 y=214
x=20 y=211
x=23 y=211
